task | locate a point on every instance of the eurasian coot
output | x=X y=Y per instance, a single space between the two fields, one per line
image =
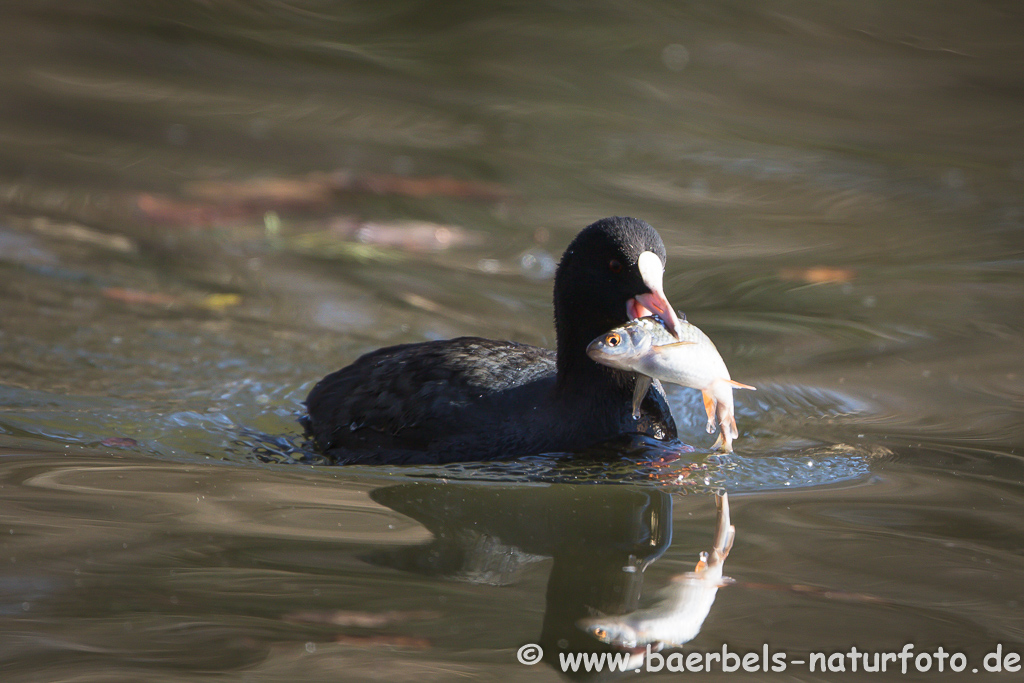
x=470 y=399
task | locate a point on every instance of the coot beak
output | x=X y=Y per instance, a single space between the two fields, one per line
x=655 y=301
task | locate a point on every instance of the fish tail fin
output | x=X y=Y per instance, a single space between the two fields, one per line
x=729 y=425
x=722 y=443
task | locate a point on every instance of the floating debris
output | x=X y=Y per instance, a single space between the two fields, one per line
x=818 y=275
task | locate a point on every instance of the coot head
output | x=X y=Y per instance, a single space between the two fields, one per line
x=610 y=273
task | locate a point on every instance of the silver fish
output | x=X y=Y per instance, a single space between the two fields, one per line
x=644 y=346
x=684 y=605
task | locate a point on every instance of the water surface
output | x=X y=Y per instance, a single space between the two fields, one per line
x=204 y=208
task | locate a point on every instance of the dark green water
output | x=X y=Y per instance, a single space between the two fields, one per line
x=207 y=206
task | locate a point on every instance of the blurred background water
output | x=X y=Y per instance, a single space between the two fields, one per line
x=207 y=206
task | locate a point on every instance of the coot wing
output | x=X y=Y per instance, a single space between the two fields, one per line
x=400 y=398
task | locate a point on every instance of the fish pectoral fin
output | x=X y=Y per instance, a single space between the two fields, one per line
x=710 y=404
x=739 y=385
x=661 y=347
x=643 y=383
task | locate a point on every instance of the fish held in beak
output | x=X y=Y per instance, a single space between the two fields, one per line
x=654 y=302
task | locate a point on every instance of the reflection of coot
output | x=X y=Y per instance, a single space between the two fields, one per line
x=601 y=539
x=479 y=399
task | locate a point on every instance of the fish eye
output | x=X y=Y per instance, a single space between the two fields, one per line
x=600 y=633
x=613 y=339
x=615 y=265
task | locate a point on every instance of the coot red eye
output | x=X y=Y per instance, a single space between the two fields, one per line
x=615 y=266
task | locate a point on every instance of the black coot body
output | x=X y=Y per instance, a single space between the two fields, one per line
x=470 y=399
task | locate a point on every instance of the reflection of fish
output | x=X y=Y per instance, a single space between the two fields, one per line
x=685 y=603
x=646 y=347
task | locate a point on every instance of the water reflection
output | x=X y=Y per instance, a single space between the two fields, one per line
x=601 y=540
x=683 y=604
x=128 y=566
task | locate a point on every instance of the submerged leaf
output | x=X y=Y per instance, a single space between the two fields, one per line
x=326 y=244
